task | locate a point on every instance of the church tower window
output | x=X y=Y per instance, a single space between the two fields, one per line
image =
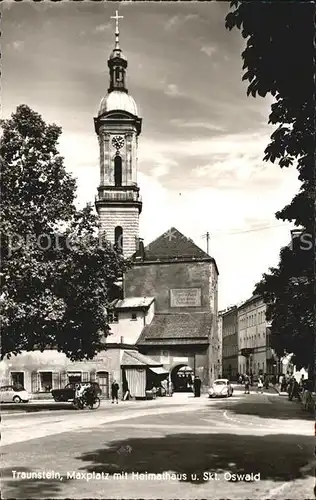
x=118 y=171
x=118 y=75
x=118 y=238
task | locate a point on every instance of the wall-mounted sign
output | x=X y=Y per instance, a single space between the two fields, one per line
x=185 y=297
x=180 y=360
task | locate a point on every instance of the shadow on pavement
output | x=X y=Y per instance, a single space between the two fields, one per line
x=32 y=408
x=276 y=457
x=281 y=410
x=17 y=487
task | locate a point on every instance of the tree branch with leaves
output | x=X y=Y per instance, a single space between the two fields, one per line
x=58 y=272
x=279 y=60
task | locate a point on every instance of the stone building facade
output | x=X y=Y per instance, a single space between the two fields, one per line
x=254 y=341
x=39 y=372
x=184 y=281
x=229 y=320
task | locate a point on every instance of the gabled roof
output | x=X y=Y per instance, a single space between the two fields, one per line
x=134 y=303
x=173 y=245
x=135 y=358
x=177 y=328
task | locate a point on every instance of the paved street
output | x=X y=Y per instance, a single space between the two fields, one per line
x=111 y=453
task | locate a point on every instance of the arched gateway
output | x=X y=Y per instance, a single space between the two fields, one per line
x=182 y=378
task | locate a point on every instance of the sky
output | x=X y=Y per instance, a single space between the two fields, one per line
x=200 y=158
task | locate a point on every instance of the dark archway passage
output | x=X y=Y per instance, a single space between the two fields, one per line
x=182 y=378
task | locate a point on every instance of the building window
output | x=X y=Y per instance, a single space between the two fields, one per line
x=45 y=381
x=74 y=377
x=113 y=317
x=118 y=75
x=17 y=379
x=118 y=239
x=118 y=171
x=134 y=316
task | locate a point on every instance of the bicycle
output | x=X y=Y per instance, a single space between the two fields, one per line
x=83 y=402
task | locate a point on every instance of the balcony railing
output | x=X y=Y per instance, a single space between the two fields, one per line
x=119 y=196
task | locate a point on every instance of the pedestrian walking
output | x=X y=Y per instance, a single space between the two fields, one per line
x=164 y=385
x=170 y=388
x=247 y=384
x=260 y=384
x=77 y=390
x=266 y=381
x=114 y=391
x=301 y=382
x=197 y=387
x=284 y=384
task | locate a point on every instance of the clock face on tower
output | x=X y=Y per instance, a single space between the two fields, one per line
x=118 y=141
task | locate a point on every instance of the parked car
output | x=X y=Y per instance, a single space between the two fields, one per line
x=68 y=392
x=13 y=394
x=220 y=387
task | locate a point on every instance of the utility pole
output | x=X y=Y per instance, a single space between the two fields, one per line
x=207 y=242
x=207 y=236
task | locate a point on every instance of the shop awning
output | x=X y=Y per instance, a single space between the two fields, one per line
x=159 y=370
x=135 y=358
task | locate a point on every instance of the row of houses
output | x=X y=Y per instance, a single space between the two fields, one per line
x=246 y=339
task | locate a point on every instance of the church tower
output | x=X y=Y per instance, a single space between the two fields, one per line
x=118 y=126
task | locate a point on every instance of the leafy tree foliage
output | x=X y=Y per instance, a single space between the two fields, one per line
x=278 y=60
x=57 y=271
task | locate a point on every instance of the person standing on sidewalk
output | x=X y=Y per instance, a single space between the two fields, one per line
x=197 y=387
x=260 y=384
x=164 y=385
x=114 y=391
x=170 y=388
x=247 y=384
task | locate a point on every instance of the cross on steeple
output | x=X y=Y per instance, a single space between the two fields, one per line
x=117 y=32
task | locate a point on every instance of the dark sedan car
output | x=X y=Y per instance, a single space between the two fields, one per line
x=68 y=392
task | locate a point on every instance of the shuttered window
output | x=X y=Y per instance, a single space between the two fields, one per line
x=34 y=382
x=56 y=380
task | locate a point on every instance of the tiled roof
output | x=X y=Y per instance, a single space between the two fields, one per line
x=135 y=358
x=194 y=328
x=134 y=302
x=253 y=298
x=174 y=245
x=176 y=342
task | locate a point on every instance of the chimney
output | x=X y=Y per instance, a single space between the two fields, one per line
x=140 y=249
